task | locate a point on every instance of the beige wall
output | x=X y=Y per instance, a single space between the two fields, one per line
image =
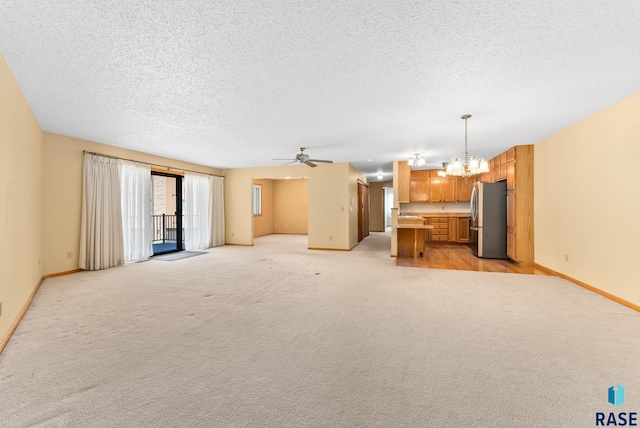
x=21 y=192
x=263 y=224
x=63 y=194
x=587 y=203
x=376 y=208
x=291 y=206
x=329 y=187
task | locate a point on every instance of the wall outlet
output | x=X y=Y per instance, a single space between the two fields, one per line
x=69 y=255
x=566 y=257
x=331 y=238
x=233 y=234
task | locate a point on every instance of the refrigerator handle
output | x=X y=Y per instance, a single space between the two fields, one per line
x=474 y=228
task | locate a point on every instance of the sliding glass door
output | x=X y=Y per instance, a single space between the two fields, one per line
x=166 y=212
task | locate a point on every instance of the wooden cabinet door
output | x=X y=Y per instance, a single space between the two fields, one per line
x=435 y=189
x=448 y=191
x=404 y=181
x=511 y=209
x=453 y=229
x=463 y=229
x=463 y=189
x=419 y=188
x=512 y=252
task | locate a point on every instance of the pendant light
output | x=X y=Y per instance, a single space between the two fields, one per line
x=468 y=166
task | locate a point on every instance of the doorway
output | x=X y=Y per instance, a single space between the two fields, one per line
x=388 y=204
x=167 y=192
x=363 y=210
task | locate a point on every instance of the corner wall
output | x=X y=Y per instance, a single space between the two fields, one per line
x=21 y=193
x=587 y=203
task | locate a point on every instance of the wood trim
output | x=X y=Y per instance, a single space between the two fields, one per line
x=242 y=245
x=590 y=288
x=26 y=306
x=69 y=272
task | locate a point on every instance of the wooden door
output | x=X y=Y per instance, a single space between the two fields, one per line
x=363 y=211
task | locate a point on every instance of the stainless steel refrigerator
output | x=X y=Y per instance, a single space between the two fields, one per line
x=488 y=238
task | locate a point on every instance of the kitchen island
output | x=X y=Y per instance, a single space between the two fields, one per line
x=411 y=235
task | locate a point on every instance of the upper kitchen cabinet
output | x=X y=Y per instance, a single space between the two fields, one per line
x=441 y=189
x=463 y=189
x=419 y=186
x=404 y=181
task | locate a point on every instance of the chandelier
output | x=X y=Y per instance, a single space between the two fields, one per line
x=469 y=165
x=416 y=160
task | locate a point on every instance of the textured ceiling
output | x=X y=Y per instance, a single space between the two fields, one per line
x=235 y=83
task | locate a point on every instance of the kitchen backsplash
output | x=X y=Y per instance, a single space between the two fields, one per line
x=426 y=207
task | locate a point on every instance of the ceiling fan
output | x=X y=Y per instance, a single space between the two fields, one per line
x=302 y=157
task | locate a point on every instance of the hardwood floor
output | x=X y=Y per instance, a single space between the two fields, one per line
x=459 y=257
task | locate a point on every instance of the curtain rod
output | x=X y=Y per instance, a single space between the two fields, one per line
x=148 y=163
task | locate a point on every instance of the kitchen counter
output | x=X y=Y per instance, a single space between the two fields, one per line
x=442 y=214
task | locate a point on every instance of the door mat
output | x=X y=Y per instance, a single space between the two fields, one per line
x=177 y=256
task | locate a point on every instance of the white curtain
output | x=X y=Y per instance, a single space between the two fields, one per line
x=101 y=244
x=217 y=211
x=136 y=210
x=197 y=215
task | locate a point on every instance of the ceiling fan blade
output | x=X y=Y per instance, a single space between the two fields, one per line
x=311 y=164
x=320 y=160
x=285 y=159
x=290 y=162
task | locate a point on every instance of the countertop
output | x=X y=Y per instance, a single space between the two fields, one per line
x=415 y=226
x=438 y=214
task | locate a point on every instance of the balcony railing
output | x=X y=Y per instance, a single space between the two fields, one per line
x=165 y=228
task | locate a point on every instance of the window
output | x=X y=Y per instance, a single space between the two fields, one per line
x=257 y=199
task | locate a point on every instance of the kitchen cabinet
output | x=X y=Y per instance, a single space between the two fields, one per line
x=440 y=231
x=463 y=229
x=404 y=181
x=512 y=252
x=463 y=189
x=419 y=186
x=441 y=189
x=516 y=166
x=453 y=229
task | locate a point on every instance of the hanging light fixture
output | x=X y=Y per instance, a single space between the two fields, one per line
x=443 y=172
x=416 y=160
x=469 y=165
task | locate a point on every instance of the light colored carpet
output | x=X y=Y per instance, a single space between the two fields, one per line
x=276 y=335
x=170 y=257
